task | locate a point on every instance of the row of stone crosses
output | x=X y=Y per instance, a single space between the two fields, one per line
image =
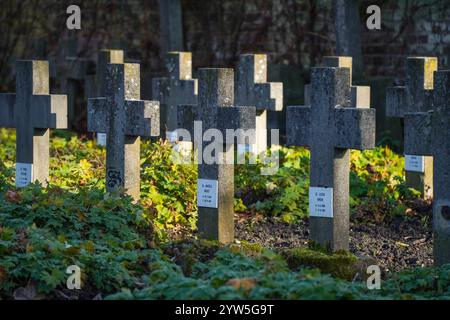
x=336 y=117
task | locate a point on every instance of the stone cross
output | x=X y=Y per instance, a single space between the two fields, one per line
x=331 y=126
x=105 y=57
x=415 y=96
x=215 y=194
x=83 y=74
x=428 y=133
x=125 y=118
x=359 y=95
x=178 y=89
x=32 y=111
x=73 y=75
x=252 y=89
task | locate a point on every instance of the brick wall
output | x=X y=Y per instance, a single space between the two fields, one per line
x=300 y=32
x=294 y=32
x=420 y=28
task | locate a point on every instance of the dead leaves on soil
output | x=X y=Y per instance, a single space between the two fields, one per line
x=244 y=284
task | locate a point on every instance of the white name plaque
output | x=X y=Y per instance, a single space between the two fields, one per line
x=414 y=163
x=101 y=139
x=24 y=174
x=207 y=193
x=321 y=202
x=172 y=136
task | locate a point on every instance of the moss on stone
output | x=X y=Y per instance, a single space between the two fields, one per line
x=274 y=262
x=247 y=248
x=341 y=264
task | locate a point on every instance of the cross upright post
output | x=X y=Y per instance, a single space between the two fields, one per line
x=179 y=88
x=105 y=57
x=32 y=111
x=330 y=126
x=220 y=122
x=125 y=118
x=252 y=89
x=428 y=133
x=73 y=74
x=415 y=96
x=359 y=95
x=171 y=22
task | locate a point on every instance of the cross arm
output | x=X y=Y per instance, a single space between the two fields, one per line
x=160 y=89
x=7 y=101
x=142 y=118
x=186 y=115
x=237 y=118
x=298 y=125
x=50 y=111
x=395 y=102
x=186 y=91
x=418 y=138
x=269 y=96
x=360 y=97
x=96 y=115
x=355 y=128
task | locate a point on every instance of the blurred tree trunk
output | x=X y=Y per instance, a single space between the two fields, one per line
x=347 y=24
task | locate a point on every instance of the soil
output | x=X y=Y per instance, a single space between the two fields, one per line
x=395 y=243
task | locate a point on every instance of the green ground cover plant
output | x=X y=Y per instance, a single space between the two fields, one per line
x=127 y=250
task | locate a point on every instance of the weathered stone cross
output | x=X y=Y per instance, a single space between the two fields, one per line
x=125 y=118
x=359 y=95
x=428 y=133
x=105 y=57
x=178 y=89
x=331 y=126
x=415 y=96
x=32 y=111
x=252 y=89
x=215 y=194
x=74 y=76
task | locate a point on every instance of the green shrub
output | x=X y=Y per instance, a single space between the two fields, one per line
x=45 y=230
x=117 y=243
x=377 y=184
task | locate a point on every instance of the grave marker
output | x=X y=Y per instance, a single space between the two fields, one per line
x=252 y=89
x=428 y=133
x=32 y=111
x=331 y=126
x=74 y=74
x=359 y=95
x=216 y=180
x=415 y=96
x=105 y=57
x=125 y=118
x=178 y=89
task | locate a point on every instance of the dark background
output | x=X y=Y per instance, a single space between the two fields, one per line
x=295 y=34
